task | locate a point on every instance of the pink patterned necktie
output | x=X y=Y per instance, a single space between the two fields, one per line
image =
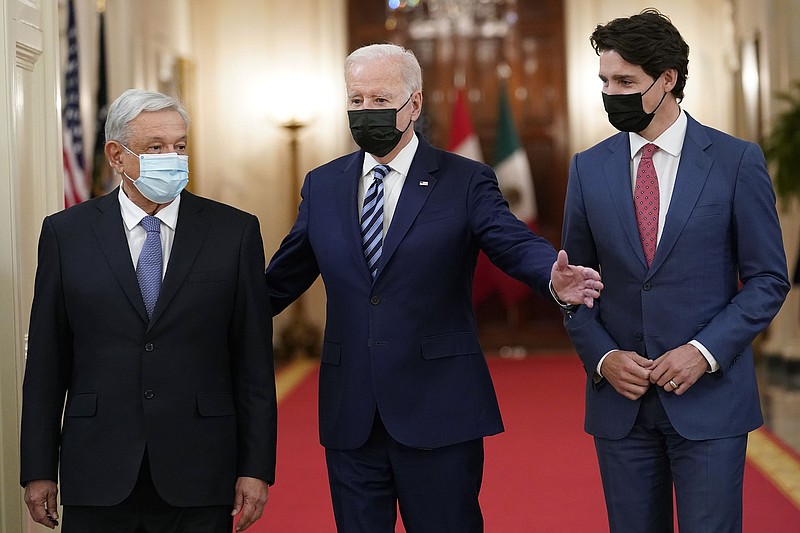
x=646 y=198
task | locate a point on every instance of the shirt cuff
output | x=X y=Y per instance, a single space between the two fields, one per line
x=559 y=301
x=600 y=363
x=710 y=358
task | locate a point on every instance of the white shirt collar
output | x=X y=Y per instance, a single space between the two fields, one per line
x=401 y=162
x=132 y=214
x=670 y=141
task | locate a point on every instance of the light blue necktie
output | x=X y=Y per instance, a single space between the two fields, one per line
x=372 y=219
x=148 y=269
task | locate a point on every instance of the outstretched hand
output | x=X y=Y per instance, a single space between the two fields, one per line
x=575 y=284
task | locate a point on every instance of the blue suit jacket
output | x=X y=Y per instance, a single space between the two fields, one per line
x=406 y=344
x=721 y=227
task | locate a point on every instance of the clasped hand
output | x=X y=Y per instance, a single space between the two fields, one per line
x=575 y=284
x=631 y=374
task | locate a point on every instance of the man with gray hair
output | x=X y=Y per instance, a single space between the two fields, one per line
x=394 y=229
x=150 y=316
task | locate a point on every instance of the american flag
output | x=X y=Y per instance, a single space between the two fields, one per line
x=76 y=186
x=102 y=179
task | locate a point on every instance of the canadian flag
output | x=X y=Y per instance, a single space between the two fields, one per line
x=462 y=139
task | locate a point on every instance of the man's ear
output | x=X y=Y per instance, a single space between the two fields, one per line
x=416 y=105
x=670 y=79
x=113 y=151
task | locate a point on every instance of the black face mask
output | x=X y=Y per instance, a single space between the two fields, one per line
x=375 y=130
x=625 y=111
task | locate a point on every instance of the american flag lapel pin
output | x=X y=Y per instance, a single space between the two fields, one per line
x=423 y=183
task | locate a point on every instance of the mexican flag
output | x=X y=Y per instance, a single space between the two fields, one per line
x=510 y=163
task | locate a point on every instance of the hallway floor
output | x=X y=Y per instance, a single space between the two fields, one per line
x=541 y=473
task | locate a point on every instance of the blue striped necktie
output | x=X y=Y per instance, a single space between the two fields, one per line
x=148 y=268
x=372 y=219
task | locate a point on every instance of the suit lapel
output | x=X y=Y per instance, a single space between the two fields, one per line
x=110 y=233
x=190 y=233
x=693 y=171
x=617 y=169
x=412 y=198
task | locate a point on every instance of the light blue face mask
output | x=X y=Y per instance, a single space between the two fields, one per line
x=162 y=177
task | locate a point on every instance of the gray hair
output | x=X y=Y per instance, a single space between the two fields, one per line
x=130 y=104
x=409 y=66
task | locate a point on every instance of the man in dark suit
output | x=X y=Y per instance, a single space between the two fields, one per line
x=681 y=220
x=170 y=418
x=394 y=229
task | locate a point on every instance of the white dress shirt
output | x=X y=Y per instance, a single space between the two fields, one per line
x=392 y=183
x=665 y=160
x=132 y=214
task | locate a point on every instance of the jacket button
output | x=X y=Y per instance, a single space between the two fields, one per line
x=639 y=336
x=646 y=286
x=149 y=394
x=375 y=300
x=148 y=347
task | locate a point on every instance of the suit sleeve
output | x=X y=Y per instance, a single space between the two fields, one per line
x=253 y=366
x=294 y=267
x=48 y=366
x=588 y=335
x=506 y=240
x=761 y=262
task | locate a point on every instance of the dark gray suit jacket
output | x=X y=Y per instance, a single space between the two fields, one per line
x=194 y=385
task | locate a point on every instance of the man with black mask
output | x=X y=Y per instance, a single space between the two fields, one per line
x=394 y=229
x=681 y=220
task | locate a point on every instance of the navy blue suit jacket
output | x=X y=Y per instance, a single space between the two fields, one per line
x=406 y=344
x=195 y=385
x=721 y=227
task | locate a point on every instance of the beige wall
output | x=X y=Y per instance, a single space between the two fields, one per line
x=141 y=47
x=257 y=66
x=708 y=91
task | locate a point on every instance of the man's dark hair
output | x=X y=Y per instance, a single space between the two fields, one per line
x=649 y=40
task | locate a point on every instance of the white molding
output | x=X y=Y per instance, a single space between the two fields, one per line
x=27 y=56
x=30 y=187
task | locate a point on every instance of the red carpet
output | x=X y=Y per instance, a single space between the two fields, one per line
x=541 y=475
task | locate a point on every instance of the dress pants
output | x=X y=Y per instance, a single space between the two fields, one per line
x=145 y=512
x=436 y=489
x=639 y=471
